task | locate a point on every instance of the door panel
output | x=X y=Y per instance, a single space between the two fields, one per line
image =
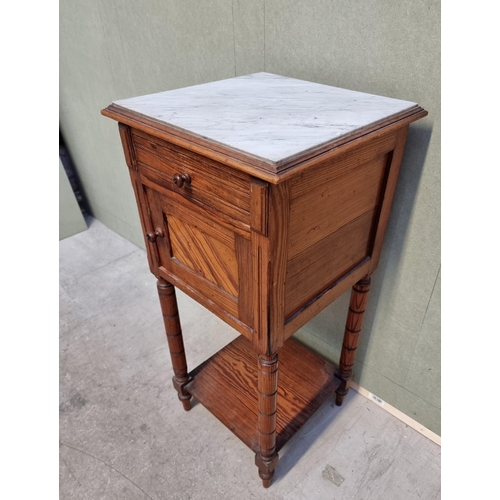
x=202 y=251
x=204 y=254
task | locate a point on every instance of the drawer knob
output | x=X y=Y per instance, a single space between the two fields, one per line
x=180 y=180
x=151 y=237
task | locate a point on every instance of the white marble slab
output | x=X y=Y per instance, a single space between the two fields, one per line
x=271 y=117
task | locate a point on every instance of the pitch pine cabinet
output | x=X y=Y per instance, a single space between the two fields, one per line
x=263 y=198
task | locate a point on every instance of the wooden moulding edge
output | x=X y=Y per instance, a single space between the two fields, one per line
x=269 y=171
x=435 y=438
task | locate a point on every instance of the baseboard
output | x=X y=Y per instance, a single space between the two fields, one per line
x=397 y=413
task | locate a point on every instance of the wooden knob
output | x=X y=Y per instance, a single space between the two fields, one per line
x=180 y=180
x=151 y=237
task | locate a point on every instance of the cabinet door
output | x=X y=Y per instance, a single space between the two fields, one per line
x=205 y=256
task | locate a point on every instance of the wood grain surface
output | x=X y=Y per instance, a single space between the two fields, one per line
x=227 y=385
x=325 y=262
x=224 y=190
x=321 y=205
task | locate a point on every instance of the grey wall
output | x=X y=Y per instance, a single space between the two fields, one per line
x=112 y=50
x=71 y=220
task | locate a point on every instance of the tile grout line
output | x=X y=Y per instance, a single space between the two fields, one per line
x=105 y=463
x=105 y=265
x=129 y=75
x=422 y=324
x=118 y=219
x=106 y=46
x=378 y=373
x=371 y=368
x=234 y=39
x=264 y=35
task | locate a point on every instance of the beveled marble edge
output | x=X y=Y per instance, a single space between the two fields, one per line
x=331 y=144
x=122 y=114
x=270 y=118
x=244 y=161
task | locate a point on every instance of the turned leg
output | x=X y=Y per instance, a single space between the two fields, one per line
x=168 y=302
x=267 y=458
x=353 y=325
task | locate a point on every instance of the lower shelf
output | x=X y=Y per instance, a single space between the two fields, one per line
x=226 y=384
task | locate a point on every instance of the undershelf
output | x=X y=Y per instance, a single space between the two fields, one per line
x=226 y=384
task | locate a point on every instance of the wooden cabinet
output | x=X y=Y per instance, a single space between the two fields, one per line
x=264 y=198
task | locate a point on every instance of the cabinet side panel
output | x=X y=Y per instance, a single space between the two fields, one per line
x=313 y=270
x=333 y=200
x=334 y=214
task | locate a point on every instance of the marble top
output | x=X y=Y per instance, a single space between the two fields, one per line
x=270 y=117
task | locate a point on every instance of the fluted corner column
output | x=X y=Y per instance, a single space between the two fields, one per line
x=267 y=458
x=168 y=302
x=357 y=305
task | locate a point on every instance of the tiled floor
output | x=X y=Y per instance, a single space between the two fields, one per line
x=124 y=434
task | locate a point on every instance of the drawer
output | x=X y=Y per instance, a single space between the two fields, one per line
x=198 y=179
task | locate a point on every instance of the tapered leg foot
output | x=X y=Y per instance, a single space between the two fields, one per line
x=267 y=458
x=186 y=403
x=339 y=398
x=168 y=302
x=266 y=468
x=357 y=305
